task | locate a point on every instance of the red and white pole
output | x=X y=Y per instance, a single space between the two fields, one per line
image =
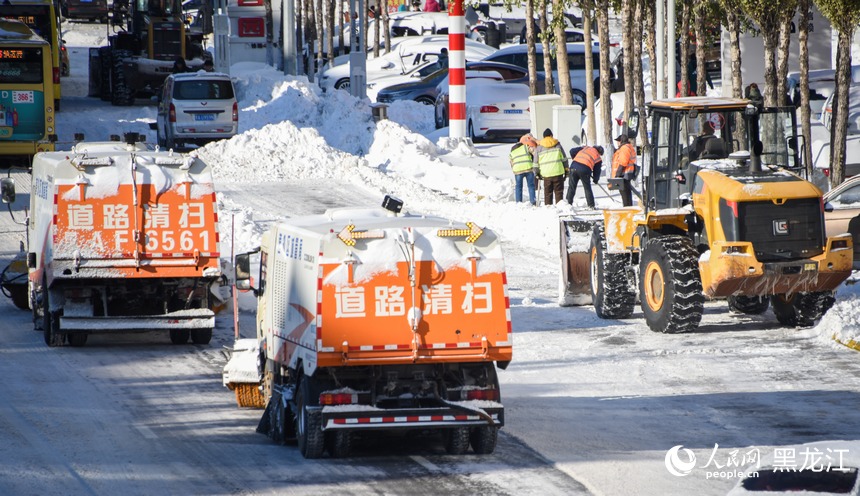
x=456 y=69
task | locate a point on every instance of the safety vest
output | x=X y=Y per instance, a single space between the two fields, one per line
x=624 y=160
x=588 y=156
x=551 y=162
x=521 y=159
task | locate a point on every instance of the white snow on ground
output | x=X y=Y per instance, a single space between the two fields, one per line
x=292 y=131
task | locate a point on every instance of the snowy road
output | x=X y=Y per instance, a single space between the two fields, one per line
x=592 y=405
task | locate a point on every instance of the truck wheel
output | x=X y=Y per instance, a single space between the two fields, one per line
x=179 y=336
x=801 y=309
x=483 y=439
x=105 y=64
x=201 y=336
x=338 y=443
x=611 y=291
x=121 y=94
x=457 y=440
x=670 y=285
x=277 y=419
x=20 y=296
x=815 y=305
x=308 y=424
x=50 y=322
x=749 y=305
x=77 y=339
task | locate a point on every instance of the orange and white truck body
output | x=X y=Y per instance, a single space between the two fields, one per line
x=392 y=321
x=122 y=238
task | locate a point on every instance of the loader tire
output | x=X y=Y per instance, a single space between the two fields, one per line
x=20 y=296
x=105 y=64
x=121 y=94
x=483 y=439
x=801 y=309
x=456 y=440
x=612 y=293
x=670 y=285
x=201 y=336
x=311 y=438
x=749 y=305
x=338 y=443
x=179 y=336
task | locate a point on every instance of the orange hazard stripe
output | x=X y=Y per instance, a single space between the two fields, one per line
x=405 y=419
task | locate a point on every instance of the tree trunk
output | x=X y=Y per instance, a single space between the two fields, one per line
x=627 y=37
x=341 y=24
x=561 y=54
x=782 y=56
x=376 y=28
x=602 y=8
x=734 y=25
x=319 y=15
x=701 y=42
x=545 y=37
x=684 y=60
x=770 y=42
x=587 y=14
x=530 y=47
x=331 y=7
x=636 y=76
x=839 y=123
x=805 y=111
x=651 y=27
x=386 y=27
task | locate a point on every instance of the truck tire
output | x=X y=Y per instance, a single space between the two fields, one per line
x=483 y=439
x=179 y=336
x=748 y=305
x=311 y=438
x=201 y=336
x=77 y=339
x=105 y=64
x=670 y=285
x=277 y=419
x=801 y=309
x=338 y=443
x=121 y=94
x=20 y=296
x=612 y=294
x=456 y=440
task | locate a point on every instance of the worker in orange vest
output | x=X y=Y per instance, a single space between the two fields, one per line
x=587 y=162
x=624 y=167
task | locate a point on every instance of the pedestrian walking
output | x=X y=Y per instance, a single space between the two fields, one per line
x=585 y=166
x=551 y=167
x=521 y=159
x=624 y=167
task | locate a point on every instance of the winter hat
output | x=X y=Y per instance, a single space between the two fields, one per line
x=599 y=149
x=622 y=138
x=547 y=132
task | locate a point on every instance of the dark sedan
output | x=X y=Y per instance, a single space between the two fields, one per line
x=425 y=91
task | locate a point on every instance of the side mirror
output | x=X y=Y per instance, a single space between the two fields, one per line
x=242 y=271
x=633 y=124
x=7 y=189
x=828 y=207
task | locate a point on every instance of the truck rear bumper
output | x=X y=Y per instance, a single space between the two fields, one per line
x=202 y=319
x=347 y=417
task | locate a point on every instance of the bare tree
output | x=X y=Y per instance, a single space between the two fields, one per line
x=628 y=35
x=702 y=41
x=545 y=37
x=386 y=27
x=530 y=46
x=651 y=44
x=376 y=25
x=733 y=25
x=342 y=25
x=602 y=9
x=767 y=15
x=636 y=76
x=803 y=59
x=561 y=53
x=587 y=7
x=684 y=59
x=782 y=53
x=844 y=15
x=329 y=29
x=319 y=24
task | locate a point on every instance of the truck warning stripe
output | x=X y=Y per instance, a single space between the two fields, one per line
x=433 y=346
x=407 y=419
x=319 y=304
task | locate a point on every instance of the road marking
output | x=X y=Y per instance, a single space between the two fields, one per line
x=146 y=432
x=420 y=460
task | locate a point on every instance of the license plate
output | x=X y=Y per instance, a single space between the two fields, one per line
x=513 y=111
x=204 y=117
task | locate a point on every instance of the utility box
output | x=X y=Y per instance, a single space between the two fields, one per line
x=567 y=125
x=541 y=113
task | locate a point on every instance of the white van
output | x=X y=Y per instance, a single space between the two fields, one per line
x=518 y=56
x=196 y=108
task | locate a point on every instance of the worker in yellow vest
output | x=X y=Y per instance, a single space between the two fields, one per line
x=521 y=159
x=551 y=167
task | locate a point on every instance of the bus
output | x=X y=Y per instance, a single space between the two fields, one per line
x=41 y=17
x=27 y=124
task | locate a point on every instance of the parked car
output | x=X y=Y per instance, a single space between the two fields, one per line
x=514 y=18
x=406 y=55
x=418 y=23
x=426 y=90
x=571 y=34
x=576 y=53
x=494 y=108
x=820 y=139
x=842 y=213
x=196 y=108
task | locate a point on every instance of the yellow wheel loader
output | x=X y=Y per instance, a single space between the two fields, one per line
x=725 y=213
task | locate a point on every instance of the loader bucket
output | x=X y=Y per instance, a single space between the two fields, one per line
x=575 y=237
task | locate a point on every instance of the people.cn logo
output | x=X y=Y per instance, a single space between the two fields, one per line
x=780 y=227
x=675 y=465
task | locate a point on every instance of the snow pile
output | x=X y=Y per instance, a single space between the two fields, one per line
x=842 y=322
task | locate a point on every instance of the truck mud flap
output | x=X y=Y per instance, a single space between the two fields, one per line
x=352 y=417
x=574 y=237
x=199 y=319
